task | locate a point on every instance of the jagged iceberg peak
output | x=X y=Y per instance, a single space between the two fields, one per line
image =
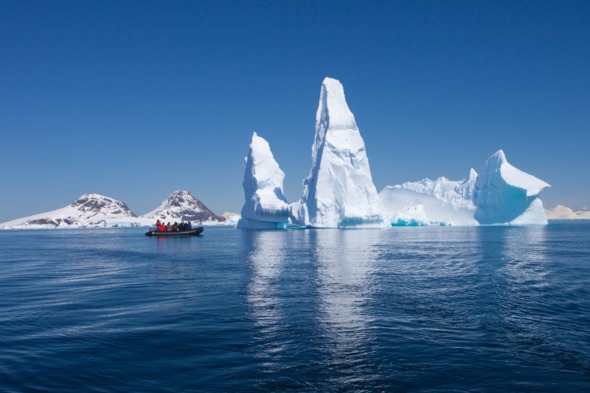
x=457 y=193
x=265 y=206
x=333 y=112
x=339 y=191
x=431 y=202
x=497 y=164
x=181 y=205
x=504 y=194
x=469 y=185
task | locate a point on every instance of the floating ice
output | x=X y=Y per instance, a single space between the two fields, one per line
x=265 y=206
x=430 y=202
x=504 y=194
x=500 y=195
x=339 y=191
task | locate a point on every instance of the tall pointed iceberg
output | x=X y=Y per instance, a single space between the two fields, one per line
x=265 y=206
x=504 y=194
x=339 y=191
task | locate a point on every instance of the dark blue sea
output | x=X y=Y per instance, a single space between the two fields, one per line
x=484 y=309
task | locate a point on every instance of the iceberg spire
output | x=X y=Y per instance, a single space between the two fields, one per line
x=504 y=194
x=339 y=191
x=265 y=206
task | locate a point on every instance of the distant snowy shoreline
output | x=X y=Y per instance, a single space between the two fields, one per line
x=99 y=211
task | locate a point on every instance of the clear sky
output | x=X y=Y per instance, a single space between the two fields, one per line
x=137 y=99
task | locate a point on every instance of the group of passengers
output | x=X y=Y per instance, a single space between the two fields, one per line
x=176 y=227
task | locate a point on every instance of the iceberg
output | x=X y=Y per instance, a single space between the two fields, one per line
x=506 y=195
x=265 y=206
x=500 y=195
x=439 y=202
x=339 y=191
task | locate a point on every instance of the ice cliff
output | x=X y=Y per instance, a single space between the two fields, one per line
x=430 y=202
x=339 y=191
x=504 y=194
x=265 y=206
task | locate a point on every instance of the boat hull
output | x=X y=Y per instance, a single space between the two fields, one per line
x=191 y=232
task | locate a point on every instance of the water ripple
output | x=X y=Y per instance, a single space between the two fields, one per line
x=428 y=309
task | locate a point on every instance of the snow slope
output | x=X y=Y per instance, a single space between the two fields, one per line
x=265 y=206
x=561 y=212
x=93 y=210
x=90 y=210
x=339 y=191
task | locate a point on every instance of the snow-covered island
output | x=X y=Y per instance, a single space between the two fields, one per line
x=96 y=211
x=561 y=212
x=339 y=191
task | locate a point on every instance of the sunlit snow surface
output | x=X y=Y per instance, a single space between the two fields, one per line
x=89 y=210
x=96 y=211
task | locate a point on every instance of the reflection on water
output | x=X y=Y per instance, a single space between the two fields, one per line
x=333 y=273
x=523 y=254
x=344 y=275
x=266 y=259
x=407 y=309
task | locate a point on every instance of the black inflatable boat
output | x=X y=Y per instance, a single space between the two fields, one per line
x=191 y=232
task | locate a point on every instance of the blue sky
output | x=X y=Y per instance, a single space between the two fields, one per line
x=135 y=100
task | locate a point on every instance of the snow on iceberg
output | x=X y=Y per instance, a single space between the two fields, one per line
x=265 y=206
x=506 y=195
x=339 y=191
x=430 y=202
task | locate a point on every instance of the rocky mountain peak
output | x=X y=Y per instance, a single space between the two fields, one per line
x=97 y=203
x=181 y=205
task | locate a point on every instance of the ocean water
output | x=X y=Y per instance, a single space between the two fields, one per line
x=407 y=309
